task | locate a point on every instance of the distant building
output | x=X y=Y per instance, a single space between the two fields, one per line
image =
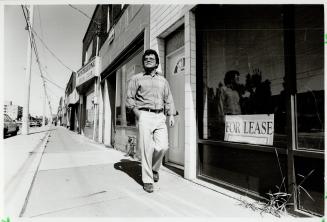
x=13 y=111
x=60 y=112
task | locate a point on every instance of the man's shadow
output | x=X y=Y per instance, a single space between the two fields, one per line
x=131 y=168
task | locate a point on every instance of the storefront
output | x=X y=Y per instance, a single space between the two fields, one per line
x=248 y=83
x=86 y=85
x=73 y=111
x=260 y=100
x=124 y=122
x=121 y=58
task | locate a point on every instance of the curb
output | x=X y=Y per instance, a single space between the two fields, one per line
x=18 y=201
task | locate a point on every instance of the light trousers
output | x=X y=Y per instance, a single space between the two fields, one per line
x=152 y=142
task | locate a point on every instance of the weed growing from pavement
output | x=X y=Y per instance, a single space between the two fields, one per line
x=6 y=220
x=278 y=202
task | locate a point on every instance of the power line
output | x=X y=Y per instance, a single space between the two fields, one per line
x=85 y=14
x=52 y=53
x=53 y=93
x=50 y=81
x=33 y=44
x=42 y=33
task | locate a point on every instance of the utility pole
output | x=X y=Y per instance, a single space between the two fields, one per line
x=96 y=91
x=25 y=122
x=44 y=103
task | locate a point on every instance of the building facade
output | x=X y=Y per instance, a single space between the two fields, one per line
x=72 y=104
x=60 y=115
x=15 y=112
x=257 y=133
x=247 y=82
x=121 y=56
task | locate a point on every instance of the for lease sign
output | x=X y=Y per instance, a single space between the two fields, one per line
x=254 y=129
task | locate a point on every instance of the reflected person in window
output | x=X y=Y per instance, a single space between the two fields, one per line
x=149 y=95
x=229 y=98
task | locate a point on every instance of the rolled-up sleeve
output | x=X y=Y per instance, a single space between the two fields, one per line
x=131 y=92
x=168 y=100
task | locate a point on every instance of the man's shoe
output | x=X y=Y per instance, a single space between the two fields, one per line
x=155 y=176
x=148 y=187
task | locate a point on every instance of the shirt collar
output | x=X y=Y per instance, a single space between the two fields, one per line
x=155 y=74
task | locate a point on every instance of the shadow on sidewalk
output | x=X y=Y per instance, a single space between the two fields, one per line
x=131 y=168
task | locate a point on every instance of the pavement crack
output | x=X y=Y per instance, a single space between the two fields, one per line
x=92 y=194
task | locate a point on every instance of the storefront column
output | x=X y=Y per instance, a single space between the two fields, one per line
x=81 y=113
x=123 y=95
x=100 y=137
x=95 y=108
x=190 y=97
x=108 y=115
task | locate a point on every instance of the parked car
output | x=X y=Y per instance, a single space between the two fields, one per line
x=9 y=126
x=38 y=123
x=33 y=123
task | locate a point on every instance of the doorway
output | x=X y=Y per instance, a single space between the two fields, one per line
x=175 y=69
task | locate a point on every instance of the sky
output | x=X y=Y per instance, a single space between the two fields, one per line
x=62 y=29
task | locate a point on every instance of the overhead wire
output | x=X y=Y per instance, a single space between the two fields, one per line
x=52 y=53
x=42 y=75
x=77 y=9
x=42 y=35
x=33 y=45
x=55 y=84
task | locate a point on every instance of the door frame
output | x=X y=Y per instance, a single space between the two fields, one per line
x=166 y=159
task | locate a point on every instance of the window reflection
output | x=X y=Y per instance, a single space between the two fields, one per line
x=243 y=68
x=309 y=48
x=126 y=117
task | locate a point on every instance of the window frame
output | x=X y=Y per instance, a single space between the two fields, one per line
x=118 y=95
x=292 y=148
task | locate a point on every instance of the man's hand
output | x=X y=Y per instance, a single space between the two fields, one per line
x=171 y=121
x=137 y=112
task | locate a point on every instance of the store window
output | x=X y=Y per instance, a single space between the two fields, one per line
x=309 y=49
x=245 y=51
x=124 y=116
x=243 y=75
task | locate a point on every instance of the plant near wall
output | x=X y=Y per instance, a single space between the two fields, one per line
x=278 y=202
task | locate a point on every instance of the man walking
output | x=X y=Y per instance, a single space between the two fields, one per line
x=149 y=96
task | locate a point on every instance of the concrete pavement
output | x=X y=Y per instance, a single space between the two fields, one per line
x=80 y=178
x=22 y=154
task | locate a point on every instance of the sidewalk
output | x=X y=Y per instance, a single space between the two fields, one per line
x=90 y=180
x=22 y=154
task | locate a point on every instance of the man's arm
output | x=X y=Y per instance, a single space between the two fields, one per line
x=169 y=104
x=130 y=96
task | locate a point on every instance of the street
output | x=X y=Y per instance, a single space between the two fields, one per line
x=80 y=178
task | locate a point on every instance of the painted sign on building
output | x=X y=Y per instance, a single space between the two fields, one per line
x=88 y=71
x=254 y=129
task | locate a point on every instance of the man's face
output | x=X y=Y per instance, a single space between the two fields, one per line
x=150 y=61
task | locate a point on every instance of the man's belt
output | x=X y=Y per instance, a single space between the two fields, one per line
x=152 y=110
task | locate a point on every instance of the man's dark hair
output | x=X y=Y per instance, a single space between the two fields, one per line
x=230 y=76
x=151 y=52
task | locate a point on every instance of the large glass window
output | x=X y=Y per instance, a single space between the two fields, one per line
x=255 y=61
x=243 y=72
x=309 y=49
x=125 y=117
